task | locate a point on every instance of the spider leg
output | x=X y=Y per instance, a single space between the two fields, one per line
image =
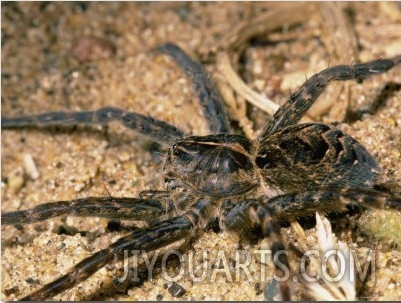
x=156 y=236
x=266 y=212
x=159 y=131
x=242 y=218
x=209 y=98
x=106 y=207
x=329 y=199
x=300 y=101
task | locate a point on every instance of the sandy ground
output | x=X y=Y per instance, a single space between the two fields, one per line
x=45 y=67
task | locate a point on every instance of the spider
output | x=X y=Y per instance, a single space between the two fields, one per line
x=290 y=170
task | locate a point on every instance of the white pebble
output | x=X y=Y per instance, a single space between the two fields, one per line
x=30 y=166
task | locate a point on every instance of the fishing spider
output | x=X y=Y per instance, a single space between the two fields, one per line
x=289 y=170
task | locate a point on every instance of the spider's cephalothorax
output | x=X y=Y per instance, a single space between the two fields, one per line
x=312 y=167
x=217 y=165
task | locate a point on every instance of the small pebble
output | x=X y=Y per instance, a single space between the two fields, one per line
x=92 y=48
x=30 y=166
x=16 y=179
x=176 y=290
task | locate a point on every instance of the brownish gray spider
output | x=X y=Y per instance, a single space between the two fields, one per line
x=312 y=166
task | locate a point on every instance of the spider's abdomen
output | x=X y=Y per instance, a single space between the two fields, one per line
x=314 y=154
x=217 y=165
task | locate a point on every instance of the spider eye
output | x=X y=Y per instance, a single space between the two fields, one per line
x=176 y=151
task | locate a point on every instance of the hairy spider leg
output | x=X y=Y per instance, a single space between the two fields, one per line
x=208 y=96
x=158 y=235
x=266 y=212
x=328 y=199
x=159 y=131
x=242 y=219
x=149 y=239
x=302 y=99
x=150 y=210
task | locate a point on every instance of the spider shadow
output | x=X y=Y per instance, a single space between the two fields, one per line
x=378 y=103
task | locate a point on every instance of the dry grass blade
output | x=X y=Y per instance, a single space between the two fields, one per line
x=341 y=42
x=331 y=289
x=230 y=45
